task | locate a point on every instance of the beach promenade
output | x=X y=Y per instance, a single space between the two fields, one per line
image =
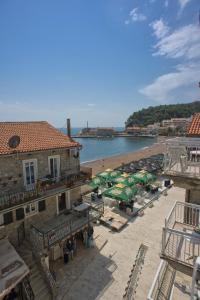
x=116 y=161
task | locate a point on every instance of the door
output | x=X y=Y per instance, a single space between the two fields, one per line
x=30 y=173
x=61 y=202
x=54 y=166
x=21 y=233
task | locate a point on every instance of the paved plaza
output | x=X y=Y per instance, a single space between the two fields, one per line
x=102 y=272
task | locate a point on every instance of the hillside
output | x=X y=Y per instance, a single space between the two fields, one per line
x=159 y=113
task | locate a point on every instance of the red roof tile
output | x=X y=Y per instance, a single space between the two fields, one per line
x=34 y=136
x=194 y=128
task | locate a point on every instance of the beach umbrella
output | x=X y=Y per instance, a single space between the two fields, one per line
x=108 y=174
x=96 y=182
x=144 y=177
x=128 y=181
x=121 y=192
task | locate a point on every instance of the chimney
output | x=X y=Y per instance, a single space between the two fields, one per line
x=68 y=128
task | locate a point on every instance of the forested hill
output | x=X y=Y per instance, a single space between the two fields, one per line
x=159 y=113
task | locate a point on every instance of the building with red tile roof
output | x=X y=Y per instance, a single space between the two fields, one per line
x=194 y=128
x=34 y=136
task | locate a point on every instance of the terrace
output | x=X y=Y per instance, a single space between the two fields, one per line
x=181 y=237
x=45 y=187
x=45 y=235
x=182 y=157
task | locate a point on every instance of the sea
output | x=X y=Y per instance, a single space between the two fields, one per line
x=96 y=148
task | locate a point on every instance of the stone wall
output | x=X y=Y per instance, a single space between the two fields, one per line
x=11 y=230
x=11 y=167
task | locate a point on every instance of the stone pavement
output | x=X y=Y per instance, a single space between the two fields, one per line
x=103 y=272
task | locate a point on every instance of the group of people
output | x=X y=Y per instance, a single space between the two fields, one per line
x=70 y=247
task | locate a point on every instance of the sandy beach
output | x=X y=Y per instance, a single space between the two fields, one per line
x=115 y=161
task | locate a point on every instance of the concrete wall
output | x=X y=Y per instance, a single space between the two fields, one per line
x=11 y=167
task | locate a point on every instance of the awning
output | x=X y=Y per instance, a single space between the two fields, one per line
x=81 y=207
x=12 y=268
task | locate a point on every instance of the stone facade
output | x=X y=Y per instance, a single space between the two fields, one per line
x=12 y=230
x=12 y=180
x=11 y=167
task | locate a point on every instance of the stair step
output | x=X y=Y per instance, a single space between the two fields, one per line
x=38 y=284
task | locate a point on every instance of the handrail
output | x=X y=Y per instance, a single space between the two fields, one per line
x=160 y=277
x=8 y=200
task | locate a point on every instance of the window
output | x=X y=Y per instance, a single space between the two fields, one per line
x=8 y=218
x=30 y=209
x=41 y=205
x=20 y=213
x=30 y=173
x=54 y=166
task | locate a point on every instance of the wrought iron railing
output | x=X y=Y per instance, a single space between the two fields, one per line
x=163 y=281
x=27 y=289
x=45 y=187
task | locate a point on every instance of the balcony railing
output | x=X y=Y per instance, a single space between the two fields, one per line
x=45 y=187
x=182 y=157
x=161 y=288
x=181 y=234
x=46 y=235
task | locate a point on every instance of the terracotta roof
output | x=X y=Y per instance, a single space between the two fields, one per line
x=194 y=128
x=34 y=136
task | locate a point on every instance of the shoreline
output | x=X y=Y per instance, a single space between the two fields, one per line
x=115 y=161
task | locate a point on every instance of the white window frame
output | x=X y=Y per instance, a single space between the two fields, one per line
x=34 y=160
x=58 y=158
x=31 y=213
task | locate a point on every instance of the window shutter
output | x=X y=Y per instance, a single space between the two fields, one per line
x=41 y=205
x=8 y=218
x=20 y=213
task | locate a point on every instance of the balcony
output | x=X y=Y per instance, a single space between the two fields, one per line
x=46 y=234
x=181 y=237
x=182 y=157
x=45 y=187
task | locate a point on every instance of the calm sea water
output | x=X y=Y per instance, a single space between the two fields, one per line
x=100 y=148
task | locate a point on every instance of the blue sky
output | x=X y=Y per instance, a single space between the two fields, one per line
x=96 y=60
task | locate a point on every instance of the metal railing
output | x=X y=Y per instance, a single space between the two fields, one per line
x=182 y=157
x=183 y=213
x=179 y=246
x=180 y=237
x=161 y=288
x=28 y=289
x=42 y=189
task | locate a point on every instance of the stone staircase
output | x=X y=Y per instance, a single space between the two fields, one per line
x=37 y=282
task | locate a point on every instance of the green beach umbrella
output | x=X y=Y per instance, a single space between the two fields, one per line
x=128 y=181
x=108 y=174
x=121 y=192
x=144 y=177
x=96 y=182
